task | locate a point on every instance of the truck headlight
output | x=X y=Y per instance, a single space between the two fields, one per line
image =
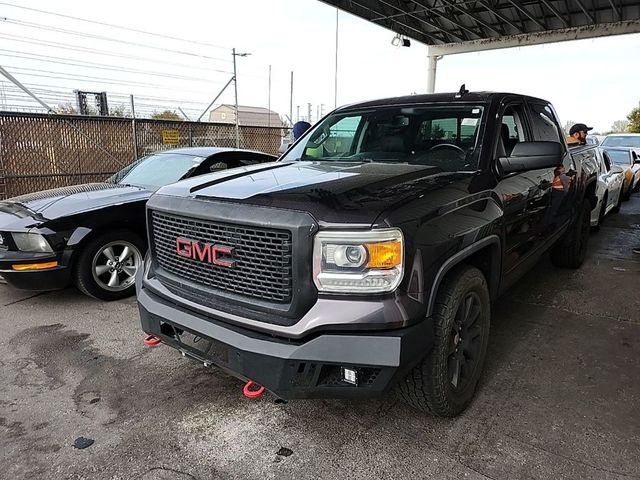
x=31 y=242
x=358 y=261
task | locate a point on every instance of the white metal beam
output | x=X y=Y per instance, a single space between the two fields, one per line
x=553 y=36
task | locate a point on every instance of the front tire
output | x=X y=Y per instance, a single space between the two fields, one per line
x=571 y=249
x=445 y=382
x=108 y=264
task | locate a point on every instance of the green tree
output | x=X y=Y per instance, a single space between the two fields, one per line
x=619 y=126
x=118 y=111
x=166 y=115
x=634 y=121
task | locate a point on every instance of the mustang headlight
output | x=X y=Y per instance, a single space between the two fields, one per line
x=31 y=242
x=358 y=261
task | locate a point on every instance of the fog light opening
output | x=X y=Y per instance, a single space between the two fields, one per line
x=349 y=375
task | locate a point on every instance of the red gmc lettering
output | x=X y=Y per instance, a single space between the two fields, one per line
x=183 y=247
x=201 y=253
x=204 y=253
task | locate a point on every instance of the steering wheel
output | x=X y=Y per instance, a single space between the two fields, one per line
x=447 y=145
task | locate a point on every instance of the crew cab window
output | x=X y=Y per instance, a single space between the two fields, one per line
x=544 y=124
x=444 y=136
x=511 y=130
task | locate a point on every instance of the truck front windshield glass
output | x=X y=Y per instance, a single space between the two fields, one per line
x=436 y=135
x=157 y=170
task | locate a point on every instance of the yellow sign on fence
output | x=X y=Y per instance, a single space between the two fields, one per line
x=171 y=137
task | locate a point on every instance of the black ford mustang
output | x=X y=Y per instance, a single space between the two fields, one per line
x=93 y=235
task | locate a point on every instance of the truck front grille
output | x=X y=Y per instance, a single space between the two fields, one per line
x=262 y=256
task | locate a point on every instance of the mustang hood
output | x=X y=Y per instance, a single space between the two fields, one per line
x=331 y=191
x=35 y=208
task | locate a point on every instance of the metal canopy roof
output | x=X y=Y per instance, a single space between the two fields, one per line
x=487 y=24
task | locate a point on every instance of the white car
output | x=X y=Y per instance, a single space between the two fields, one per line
x=626 y=140
x=608 y=188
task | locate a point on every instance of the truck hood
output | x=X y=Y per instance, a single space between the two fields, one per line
x=36 y=208
x=334 y=192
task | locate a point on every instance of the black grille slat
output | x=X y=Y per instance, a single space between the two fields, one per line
x=262 y=256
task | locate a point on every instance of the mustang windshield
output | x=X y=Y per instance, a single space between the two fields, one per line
x=441 y=136
x=157 y=170
x=630 y=141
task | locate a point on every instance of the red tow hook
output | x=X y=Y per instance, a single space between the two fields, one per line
x=249 y=391
x=151 y=340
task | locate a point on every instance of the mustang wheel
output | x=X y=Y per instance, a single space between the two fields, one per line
x=108 y=264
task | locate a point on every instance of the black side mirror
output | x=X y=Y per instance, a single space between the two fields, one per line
x=532 y=156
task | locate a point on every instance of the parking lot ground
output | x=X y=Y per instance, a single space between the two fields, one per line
x=560 y=397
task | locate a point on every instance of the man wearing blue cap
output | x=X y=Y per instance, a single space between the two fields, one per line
x=296 y=132
x=299 y=128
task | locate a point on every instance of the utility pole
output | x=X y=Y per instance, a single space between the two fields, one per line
x=269 y=100
x=235 y=84
x=134 y=128
x=335 y=77
x=291 y=101
x=309 y=112
x=297 y=113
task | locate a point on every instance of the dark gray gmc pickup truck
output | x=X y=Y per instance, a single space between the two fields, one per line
x=366 y=259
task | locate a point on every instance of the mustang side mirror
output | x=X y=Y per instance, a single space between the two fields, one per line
x=532 y=156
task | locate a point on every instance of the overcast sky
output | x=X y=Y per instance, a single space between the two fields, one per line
x=592 y=81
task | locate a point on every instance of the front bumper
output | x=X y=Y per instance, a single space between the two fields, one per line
x=308 y=368
x=47 y=279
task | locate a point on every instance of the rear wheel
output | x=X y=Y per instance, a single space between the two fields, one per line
x=571 y=249
x=445 y=382
x=108 y=264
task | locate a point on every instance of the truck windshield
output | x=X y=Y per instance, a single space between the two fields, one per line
x=436 y=135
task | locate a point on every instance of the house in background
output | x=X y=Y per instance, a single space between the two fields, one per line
x=247 y=116
x=260 y=128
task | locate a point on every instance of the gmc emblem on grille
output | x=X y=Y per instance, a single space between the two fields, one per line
x=215 y=254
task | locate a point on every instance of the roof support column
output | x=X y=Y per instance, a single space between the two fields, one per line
x=432 y=67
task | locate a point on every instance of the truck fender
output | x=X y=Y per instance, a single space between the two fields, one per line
x=459 y=258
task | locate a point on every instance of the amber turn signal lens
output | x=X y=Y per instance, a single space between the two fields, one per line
x=384 y=255
x=34 y=266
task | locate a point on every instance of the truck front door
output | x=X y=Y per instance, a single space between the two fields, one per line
x=525 y=195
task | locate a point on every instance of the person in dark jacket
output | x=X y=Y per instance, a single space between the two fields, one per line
x=578 y=134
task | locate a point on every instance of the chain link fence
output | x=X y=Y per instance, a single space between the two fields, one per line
x=40 y=151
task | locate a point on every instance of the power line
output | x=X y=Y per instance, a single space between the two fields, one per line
x=128 y=57
x=95 y=22
x=108 y=81
x=108 y=39
x=68 y=46
x=110 y=67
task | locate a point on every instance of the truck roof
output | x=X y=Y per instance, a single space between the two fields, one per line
x=451 y=97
